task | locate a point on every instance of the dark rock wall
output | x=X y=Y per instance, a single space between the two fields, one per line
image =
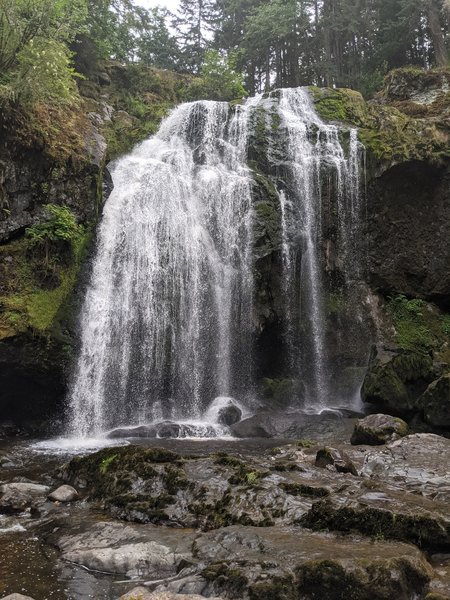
x=409 y=232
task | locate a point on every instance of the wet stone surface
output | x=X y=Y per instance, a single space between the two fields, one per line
x=241 y=519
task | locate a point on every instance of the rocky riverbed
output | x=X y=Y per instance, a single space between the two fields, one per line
x=304 y=519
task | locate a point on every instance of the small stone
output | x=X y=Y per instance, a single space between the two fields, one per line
x=378 y=429
x=65 y=493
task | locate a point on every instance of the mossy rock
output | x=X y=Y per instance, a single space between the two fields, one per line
x=379 y=429
x=343 y=105
x=424 y=530
x=395 y=380
x=435 y=403
x=393 y=130
x=226 y=578
x=328 y=579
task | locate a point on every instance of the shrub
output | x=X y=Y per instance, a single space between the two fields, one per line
x=61 y=229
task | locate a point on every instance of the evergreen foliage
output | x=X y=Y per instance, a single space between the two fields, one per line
x=218 y=80
x=272 y=43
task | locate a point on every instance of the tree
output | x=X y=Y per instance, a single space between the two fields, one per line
x=156 y=45
x=218 y=80
x=193 y=23
x=434 y=23
x=35 y=62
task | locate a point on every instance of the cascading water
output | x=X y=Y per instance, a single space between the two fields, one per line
x=315 y=155
x=166 y=318
x=167 y=323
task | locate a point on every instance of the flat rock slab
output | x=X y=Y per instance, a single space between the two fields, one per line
x=16 y=497
x=262 y=562
x=142 y=593
x=236 y=561
x=420 y=461
x=129 y=550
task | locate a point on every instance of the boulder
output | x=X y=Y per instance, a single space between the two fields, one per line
x=229 y=415
x=258 y=426
x=339 y=460
x=65 y=493
x=168 y=430
x=141 y=431
x=17 y=497
x=378 y=429
x=435 y=403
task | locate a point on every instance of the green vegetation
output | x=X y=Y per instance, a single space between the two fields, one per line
x=416 y=326
x=40 y=272
x=34 y=49
x=299 y=489
x=217 y=80
x=106 y=463
x=60 y=229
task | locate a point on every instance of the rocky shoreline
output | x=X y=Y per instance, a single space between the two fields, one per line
x=304 y=520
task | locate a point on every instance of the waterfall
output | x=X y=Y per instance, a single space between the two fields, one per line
x=166 y=320
x=315 y=154
x=167 y=323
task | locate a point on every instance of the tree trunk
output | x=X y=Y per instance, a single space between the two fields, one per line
x=267 y=82
x=434 y=23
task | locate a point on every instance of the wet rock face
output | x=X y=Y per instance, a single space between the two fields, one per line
x=408 y=219
x=29 y=178
x=435 y=403
x=378 y=429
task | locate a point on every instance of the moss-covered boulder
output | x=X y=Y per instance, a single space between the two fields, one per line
x=435 y=403
x=396 y=379
x=378 y=429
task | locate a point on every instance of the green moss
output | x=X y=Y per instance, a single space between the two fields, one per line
x=389 y=134
x=28 y=302
x=228 y=461
x=276 y=588
x=299 y=489
x=425 y=531
x=175 y=479
x=106 y=463
x=245 y=476
x=226 y=578
x=342 y=104
x=305 y=443
x=413 y=323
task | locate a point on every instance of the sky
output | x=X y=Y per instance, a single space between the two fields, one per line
x=170 y=4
